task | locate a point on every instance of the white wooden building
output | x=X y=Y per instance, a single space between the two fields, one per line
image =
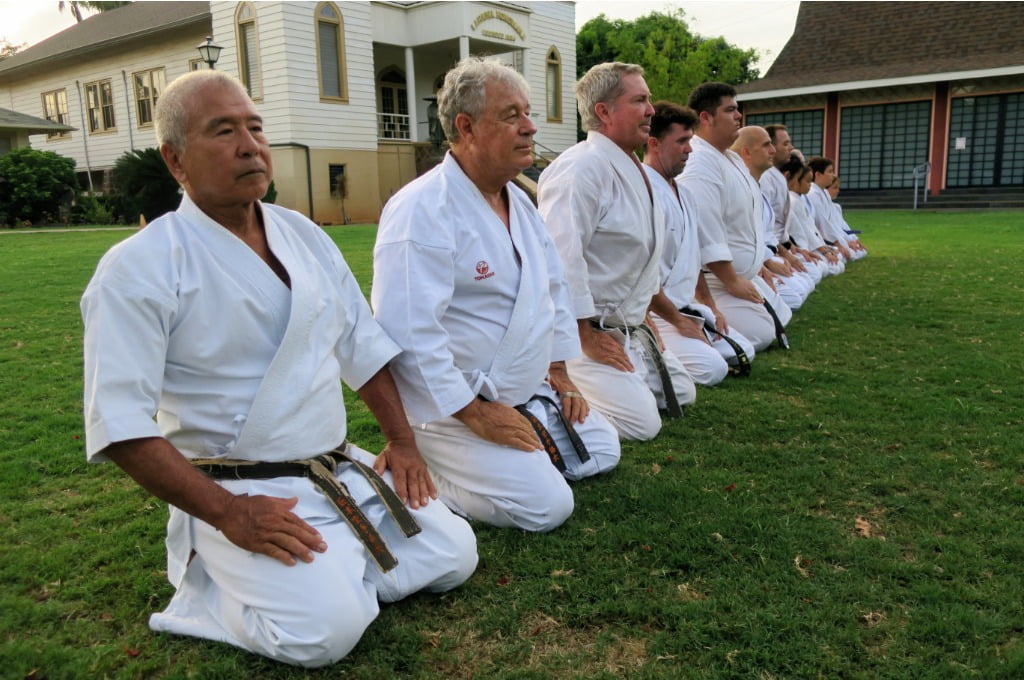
x=346 y=88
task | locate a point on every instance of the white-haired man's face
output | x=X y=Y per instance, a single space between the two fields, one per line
x=226 y=161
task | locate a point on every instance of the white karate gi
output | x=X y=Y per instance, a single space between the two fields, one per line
x=795 y=288
x=729 y=213
x=806 y=234
x=831 y=229
x=185 y=322
x=609 y=233
x=837 y=216
x=479 y=309
x=680 y=270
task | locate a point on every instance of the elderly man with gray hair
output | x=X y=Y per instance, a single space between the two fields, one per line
x=216 y=340
x=467 y=282
x=609 y=230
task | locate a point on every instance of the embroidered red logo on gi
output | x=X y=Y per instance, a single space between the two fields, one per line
x=484 y=270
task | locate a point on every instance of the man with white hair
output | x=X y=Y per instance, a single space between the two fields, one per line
x=467 y=281
x=600 y=209
x=216 y=340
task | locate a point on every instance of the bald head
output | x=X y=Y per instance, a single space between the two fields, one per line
x=755 y=147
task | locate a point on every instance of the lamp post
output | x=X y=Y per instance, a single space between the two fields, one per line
x=209 y=51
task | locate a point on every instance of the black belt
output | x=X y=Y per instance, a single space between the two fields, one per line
x=547 y=441
x=780 y=330
x=320 y=470
x=645 y=336
x=742 y=367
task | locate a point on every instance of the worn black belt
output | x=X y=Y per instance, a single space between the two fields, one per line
x=780 y=330
x=645 y=336
x=320 y=470
x=547 y=441
x=742 y=367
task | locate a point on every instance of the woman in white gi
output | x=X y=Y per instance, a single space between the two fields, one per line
x=468 y=283
x=801 y=222
x=222 y=331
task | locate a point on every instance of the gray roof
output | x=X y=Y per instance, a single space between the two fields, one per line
x=12 y=120
x=838 y=42
x=124 y=25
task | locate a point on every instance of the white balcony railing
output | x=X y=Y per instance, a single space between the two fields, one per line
x=393 y=126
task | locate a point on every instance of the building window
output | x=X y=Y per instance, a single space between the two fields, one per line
x=986 y=141
x=553 y=83
x=804 y=127
x=880 y=145
x=393 y=119
x=149 y=85
x=99 y=100
x=248 y=49
x=196 y=64
x=55 y=108
x=330 y=52
x=336 y=177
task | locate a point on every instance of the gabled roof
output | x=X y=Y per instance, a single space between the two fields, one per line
x=106 y=31
x=12 y=120
x=837 y=43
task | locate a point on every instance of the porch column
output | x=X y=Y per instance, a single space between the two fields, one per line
x=410 y=94
x=463 y=47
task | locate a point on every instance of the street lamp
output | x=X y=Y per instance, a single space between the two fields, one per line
x=209 y=51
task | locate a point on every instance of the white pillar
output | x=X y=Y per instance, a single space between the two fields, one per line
x=463 y=47
x=410 y=93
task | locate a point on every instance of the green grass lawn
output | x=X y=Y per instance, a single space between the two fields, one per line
x=853 y=509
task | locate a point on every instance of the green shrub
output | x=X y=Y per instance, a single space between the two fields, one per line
x=36 y=185
x=144 y=186
x=94 y=210
x=271 y=196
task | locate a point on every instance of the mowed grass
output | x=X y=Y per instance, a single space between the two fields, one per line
x=853 y=509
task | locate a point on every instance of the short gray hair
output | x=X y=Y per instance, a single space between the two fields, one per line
x=602 y=83
x=464 y=90
x=174 y=105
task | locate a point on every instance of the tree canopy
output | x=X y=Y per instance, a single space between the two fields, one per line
x=674 y=59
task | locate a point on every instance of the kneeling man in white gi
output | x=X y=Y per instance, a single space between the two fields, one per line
x=216 y=340
x=469 y=284
x=684 y=307
x=602 y=214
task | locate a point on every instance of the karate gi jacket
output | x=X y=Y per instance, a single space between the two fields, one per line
x=476 y=308
x=729 y=207
x=680 y=258
x=190 y=335
x=608 y=230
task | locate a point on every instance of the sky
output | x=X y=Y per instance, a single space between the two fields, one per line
x=764 y=25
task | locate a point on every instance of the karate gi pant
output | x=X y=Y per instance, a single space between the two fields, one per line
x=751 y=319
x=702 y=361
x=723 y=348
x=774 y=298
x=794 y=289
x=630 y=400
x=313 y=614
x=815 y=270
x=507 y=487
